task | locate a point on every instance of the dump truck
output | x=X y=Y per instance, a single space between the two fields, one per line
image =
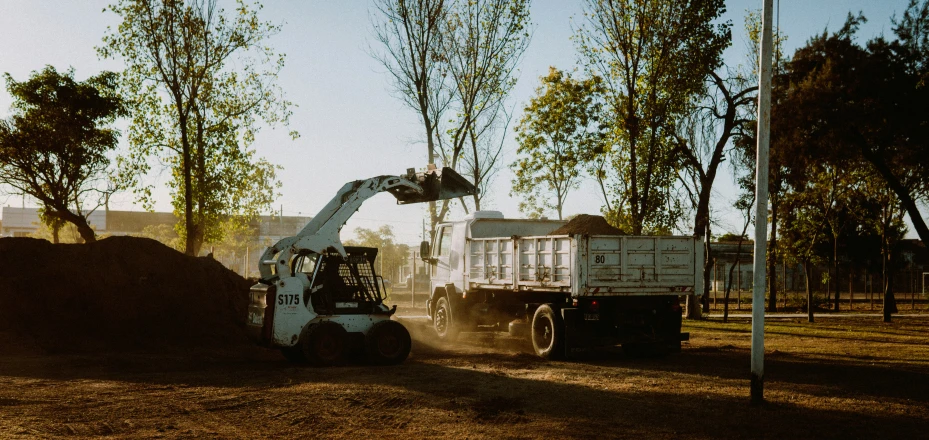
x=322 y=302
x=567 y=293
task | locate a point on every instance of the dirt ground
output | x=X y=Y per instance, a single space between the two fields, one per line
x=840 y=378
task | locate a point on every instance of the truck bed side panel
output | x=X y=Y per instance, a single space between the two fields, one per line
x=598 y=265
x=639 y=265
x=543 y=262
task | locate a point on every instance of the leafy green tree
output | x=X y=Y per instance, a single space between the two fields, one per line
x=164 y=234
x=654 y=56
x=556 y=134
x=200 y=81
x=54 y=147
x=803 y=233
x=889 y=226
x=867 y=102
x=391 y=256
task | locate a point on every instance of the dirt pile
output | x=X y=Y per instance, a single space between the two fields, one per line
x=120 y=293
x=585 y=224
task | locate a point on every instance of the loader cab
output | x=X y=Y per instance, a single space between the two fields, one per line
x=343 y=285
x=305 y=264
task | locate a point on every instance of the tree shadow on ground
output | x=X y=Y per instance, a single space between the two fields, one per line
x=589 y=409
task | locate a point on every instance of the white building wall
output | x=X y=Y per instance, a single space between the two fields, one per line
x=24 y=221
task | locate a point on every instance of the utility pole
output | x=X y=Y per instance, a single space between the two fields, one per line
x=761 y=204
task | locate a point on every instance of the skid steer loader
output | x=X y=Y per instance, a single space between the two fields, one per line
x=321 y=302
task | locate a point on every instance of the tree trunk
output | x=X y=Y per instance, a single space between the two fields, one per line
x=738 y=261
x=809 y=291
x=738 y=305
x=890 y=303
x=200 y=218
x=55 y=230
x=83 y=228
x=709 y=261
x=834 y=278
x=189 y=225
x=430 y=157
x=694 y=310
x=786 y=290
x=851 y=290
x=772 y=260
x=901 y=191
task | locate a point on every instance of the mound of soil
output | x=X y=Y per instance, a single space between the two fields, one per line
x=585 y=224
x=120 y=293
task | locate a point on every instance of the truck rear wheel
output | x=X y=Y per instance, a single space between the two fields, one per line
x=445 y=326
x=387 y=343
x=547 y=333
x=324 y=343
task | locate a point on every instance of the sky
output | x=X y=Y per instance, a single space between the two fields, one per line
x=352 y=126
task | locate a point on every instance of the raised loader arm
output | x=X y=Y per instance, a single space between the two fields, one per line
x=322 y=232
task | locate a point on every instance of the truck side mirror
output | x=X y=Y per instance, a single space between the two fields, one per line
x=424 y=252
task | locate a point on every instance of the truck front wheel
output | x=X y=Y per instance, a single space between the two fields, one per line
x=547 y=333
x=445 y=326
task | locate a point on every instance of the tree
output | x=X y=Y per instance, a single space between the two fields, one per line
x=484 y=43
x=745 y=205
x=391 y=256
x=868 y=101
x=199 y=82
x=410 y=33
x=456 y=57
x=653 y=56
x=803 y=233
x=746 y=142
x=54 y=147
x=889 y=226
x=716 y=116
x=557 y=132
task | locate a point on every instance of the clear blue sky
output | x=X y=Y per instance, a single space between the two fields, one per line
x=351 y=125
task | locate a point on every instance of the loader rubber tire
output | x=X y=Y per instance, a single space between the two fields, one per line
x=547 y=333
x=446 y=329
x=387 y=343
x=324 y=343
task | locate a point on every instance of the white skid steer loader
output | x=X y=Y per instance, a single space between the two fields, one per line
x=319 y=301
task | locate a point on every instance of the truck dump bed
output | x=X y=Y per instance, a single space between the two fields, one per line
x=587 y=265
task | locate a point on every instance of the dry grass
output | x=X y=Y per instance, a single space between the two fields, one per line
x=838 y=378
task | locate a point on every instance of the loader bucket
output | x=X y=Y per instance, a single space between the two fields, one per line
x=437 y=185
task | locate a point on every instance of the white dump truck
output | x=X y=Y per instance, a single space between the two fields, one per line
x=566 y=292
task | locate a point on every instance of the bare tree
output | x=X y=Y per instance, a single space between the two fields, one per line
x=485 y=42
x=702 y=139
x=410 y=33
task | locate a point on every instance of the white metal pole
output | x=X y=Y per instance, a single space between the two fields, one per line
x=761 y=205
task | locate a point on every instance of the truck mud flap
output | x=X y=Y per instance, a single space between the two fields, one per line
x=575 y=340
